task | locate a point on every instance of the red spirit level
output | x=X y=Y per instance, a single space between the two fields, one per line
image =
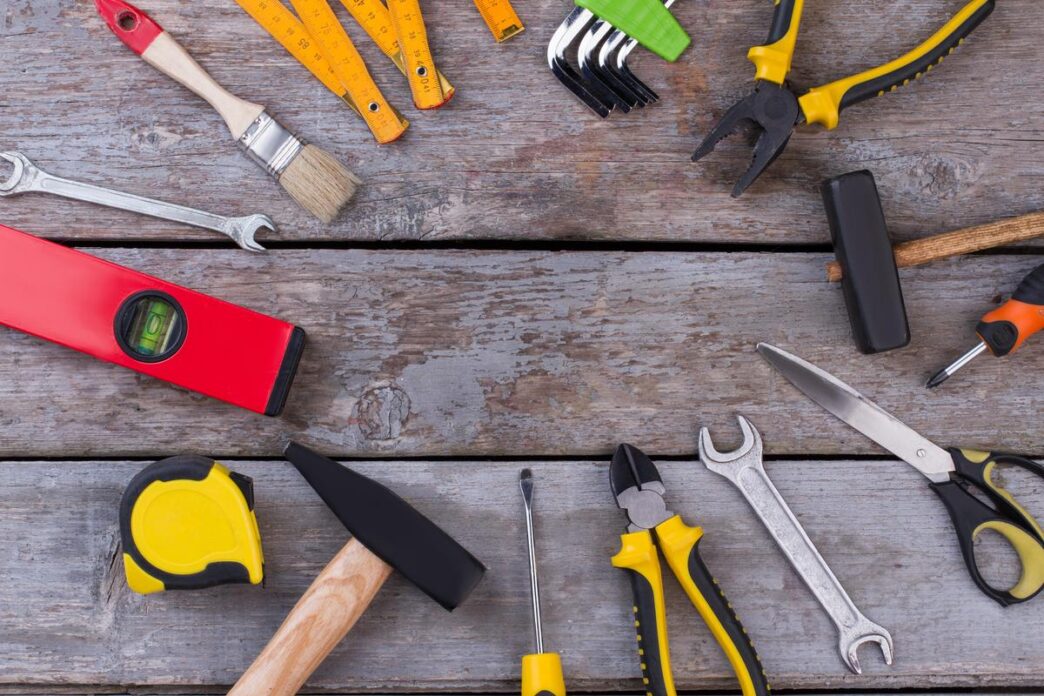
x=149 y=325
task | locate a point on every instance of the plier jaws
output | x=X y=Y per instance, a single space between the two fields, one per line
x=773 y=111
x=655 y=531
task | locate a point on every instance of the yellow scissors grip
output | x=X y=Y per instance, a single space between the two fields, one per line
x=679 y=543
x=1007 y=517
x=772 y=60
x=639 y=557
x=823 y=104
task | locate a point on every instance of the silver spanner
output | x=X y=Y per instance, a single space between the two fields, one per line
x=27 y=177
x=745 y=469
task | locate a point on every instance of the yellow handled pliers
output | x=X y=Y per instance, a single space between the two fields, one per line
x=775 y=110
x=638 y=489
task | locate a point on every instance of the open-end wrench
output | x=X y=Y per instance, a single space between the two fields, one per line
x=745 y=469
x=26 y=177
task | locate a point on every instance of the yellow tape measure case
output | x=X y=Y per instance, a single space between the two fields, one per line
x=187 y=523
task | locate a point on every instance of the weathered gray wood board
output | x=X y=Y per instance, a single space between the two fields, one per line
x=69 y=617
x=500 y=353
x=514 y=155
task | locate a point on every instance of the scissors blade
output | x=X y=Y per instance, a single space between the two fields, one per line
x=862 y=414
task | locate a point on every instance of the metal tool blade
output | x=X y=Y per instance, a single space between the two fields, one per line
x=392 y=529
x=862 y=414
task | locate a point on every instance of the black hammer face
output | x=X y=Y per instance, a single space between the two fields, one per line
x=392 y=529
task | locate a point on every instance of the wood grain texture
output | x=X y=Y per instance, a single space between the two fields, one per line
x=68 y=618
x=326 y=612
x=958 y=242
x=514 y=155
x=499 y=353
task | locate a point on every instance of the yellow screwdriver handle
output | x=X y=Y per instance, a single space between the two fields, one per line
x=542 y=675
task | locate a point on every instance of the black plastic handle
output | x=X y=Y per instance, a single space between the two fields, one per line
x=923 y=58
x=782 y=18
x=1031 y=289
x=970 y=516
x=649 y=613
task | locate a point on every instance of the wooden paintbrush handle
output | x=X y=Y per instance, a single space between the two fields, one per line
x=169 y=57
x=143 y=35
x=318 y=622
x=964 y=241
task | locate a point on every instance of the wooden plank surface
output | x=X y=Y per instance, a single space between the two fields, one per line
x=514 y=156
x=70 y=619
x=500 y=353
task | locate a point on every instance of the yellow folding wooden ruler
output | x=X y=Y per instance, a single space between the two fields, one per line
x=374 y=18
x=500 y=17
x=341 y=70
x=420 y=65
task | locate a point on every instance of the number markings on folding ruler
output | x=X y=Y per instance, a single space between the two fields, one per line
x=374 y=18
x=413 y=42
x=283 y=26
x=501 y=18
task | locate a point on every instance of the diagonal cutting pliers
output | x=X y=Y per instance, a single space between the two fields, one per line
x=639 y=490
x=774 y=109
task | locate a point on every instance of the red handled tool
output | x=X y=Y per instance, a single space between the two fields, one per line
x=149 y=325
x=1006 y=328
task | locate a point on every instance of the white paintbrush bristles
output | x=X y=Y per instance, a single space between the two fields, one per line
x=319 y=183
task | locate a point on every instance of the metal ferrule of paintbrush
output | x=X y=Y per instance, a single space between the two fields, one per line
x=270 y=144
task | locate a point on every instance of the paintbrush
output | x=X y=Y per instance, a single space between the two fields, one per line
x=312 y=176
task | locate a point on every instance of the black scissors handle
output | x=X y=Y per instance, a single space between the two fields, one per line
x=1007 y=517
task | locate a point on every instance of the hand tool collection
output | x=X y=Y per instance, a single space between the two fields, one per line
x=541 y=671
x=188 y=522
x=956 y=475
x=608 y=31
x=639 y=491
x=774 y=110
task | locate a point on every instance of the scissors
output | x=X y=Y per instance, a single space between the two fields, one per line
x=953 y=473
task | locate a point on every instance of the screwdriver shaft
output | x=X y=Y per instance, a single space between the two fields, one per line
x=948 y=371
x=525 y=482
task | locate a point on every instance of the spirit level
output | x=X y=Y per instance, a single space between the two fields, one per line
x=149 y=325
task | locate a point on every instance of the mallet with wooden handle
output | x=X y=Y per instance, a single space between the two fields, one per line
x=958 y=242
x=389 y=534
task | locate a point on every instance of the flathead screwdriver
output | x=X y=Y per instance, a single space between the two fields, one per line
x=1005 y=329
x=541 y=671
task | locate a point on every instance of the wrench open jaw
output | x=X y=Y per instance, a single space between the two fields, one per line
x=26 y=177
x=745 y=468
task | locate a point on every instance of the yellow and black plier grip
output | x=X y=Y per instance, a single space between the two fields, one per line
x=823 y=105
x=772 y=60
x=679 y=544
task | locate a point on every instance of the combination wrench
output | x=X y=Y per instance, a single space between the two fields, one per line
x=745 y=469
x=26 y=177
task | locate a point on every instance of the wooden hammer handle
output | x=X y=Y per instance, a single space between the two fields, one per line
x=317 y=623
x=964 y=241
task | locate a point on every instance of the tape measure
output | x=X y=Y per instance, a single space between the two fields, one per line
x=501 y=18
x=146 y=324
x=327 y=53
x=187 y=523
x=374 y=18
x=408 y=22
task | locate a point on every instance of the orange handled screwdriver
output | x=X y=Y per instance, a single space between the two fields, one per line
x=541 y=671
x=1006 y=328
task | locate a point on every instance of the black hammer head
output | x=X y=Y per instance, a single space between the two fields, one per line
x=393 y=530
